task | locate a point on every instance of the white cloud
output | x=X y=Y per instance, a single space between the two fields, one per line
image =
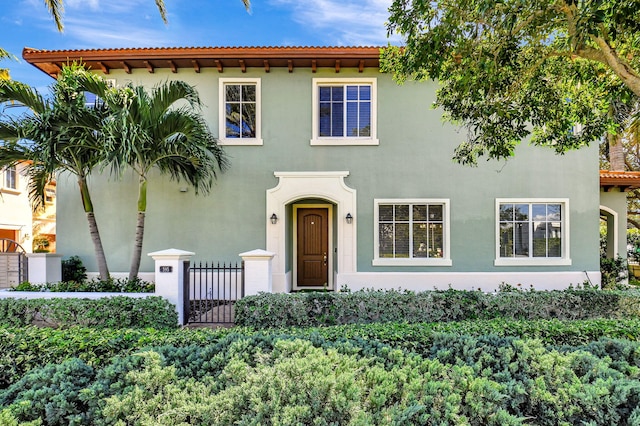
x=351 y=22
x=91 y=4
x=113 y=34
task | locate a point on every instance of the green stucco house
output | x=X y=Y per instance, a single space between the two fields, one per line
x=348 y=179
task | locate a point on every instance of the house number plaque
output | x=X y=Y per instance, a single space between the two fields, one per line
x=166 y=269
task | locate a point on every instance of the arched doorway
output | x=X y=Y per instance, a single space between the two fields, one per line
x=610 y=222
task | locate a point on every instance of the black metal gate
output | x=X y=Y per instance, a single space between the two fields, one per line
x=210 y=292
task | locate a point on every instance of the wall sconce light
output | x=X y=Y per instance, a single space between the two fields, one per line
x=349 y=218
x=274 y=219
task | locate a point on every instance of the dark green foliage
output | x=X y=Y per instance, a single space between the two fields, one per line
x=73 y=270
x=22 y=349
x=282 y=379
x=114 y=312
x=613 y=271
x=315 y=309
x=112 y=285
x=52 y=394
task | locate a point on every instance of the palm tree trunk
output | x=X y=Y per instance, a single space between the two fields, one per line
x=137 y=245
x=93 y=229
x=616 y=152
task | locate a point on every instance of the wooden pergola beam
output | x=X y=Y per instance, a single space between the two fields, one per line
x=149 y=66
x=104 y=67
x=126 y=67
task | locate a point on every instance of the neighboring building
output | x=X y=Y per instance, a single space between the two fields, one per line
x=15 y=209
x=44 y=222
x=345 y=176
x=15 y=226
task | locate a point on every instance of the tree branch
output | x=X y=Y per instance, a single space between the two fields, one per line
x=622 y=69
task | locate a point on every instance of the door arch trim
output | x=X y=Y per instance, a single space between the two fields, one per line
x=294 y=186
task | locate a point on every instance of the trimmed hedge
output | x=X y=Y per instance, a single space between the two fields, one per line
x=111 y=285
x=107 y=312
x=368 y=306
x=265 y=379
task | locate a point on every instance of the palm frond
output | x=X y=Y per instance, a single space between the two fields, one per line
x=56 y=9
x=6 y=55
x=23 y=94
x=163 y=10
x=164 y=96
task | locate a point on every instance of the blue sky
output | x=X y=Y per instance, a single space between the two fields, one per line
x=136 y=23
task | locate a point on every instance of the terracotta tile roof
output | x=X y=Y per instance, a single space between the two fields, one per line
x=196 y=58
x=623 y=180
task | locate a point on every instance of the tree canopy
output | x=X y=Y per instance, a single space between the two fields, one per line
x=559 y=71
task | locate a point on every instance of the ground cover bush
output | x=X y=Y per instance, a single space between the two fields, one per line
x=115 y=312
x=25 y=348
x=329 y=308
x=283 y=379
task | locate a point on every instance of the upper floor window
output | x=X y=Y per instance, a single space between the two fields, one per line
x=412 y=233
x=240 y=111
x=11 y=178
x=344 y=111
x=532 y=232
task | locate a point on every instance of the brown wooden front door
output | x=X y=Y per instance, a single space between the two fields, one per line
x=312 y=247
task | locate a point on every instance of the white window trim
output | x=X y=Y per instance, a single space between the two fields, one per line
x=222 y=119
x=444 y=261
x=7 y=189
x=345 y=141
x=565 y=260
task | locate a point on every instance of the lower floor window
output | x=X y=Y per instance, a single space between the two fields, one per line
x=411 y=231
x=532 y=229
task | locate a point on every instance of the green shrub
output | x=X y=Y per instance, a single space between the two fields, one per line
x=73 y=270
x=113 y=285
x=327 y=308
x=614 y=272
x=22 y=349
x=115 y=312
x=51 y=393
x=279 y=379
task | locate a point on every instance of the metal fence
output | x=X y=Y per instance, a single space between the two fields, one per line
x=211 y=291
x=13 y=269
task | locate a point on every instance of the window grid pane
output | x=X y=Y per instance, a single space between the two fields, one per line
x=411 y=231
x=345 y=111
x=531 y=230
x=11 y=179
x=240 y=109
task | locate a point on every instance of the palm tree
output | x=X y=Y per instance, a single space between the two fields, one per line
x=60 y=134
x=159 y=130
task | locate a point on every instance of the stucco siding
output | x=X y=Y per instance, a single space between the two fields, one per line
x=413 y=160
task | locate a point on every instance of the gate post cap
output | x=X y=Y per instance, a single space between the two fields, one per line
x=257 y=254
x=171 y=253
